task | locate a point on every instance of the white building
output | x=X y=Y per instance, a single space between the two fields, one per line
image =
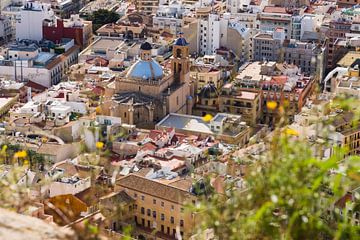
x=302 y=24
x=211 y=34
x=170 y=17
x=68 y=185
x=217 y=32
x=29 y=22
x=242 y=6
x=25 y=62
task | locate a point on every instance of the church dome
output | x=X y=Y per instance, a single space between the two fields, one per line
x=209 y=91
x=145 y=70
x=181 y=41
x=145 y=46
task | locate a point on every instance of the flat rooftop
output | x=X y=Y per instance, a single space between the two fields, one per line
x=101 y=44
x=251 y=72
x=196 y=124
x=186 y=122
x=4 y=101
x=349 y=59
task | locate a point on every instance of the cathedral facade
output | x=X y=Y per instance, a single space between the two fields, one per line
x=147 y=92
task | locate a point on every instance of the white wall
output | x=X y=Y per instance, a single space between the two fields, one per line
x=39 y=75
x=78 y=107
x=30 y=20
x=60 y=188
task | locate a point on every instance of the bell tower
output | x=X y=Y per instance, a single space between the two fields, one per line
x=180 y=63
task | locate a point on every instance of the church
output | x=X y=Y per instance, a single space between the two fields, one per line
x=147 y=92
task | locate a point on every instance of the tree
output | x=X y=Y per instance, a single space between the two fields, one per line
x=36 y=161
x=101 y=17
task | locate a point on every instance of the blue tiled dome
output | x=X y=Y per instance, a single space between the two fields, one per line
x=146 y=70
x=181 y=42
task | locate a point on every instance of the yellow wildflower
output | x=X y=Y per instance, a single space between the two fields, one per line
x=292 y=132
x=98 y=110
x=4 y=148
x=20 y=154
x=207 y=118
x=99 y=145
x=271 y=105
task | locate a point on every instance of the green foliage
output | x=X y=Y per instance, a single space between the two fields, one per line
x=289 y=196
x=101 y=17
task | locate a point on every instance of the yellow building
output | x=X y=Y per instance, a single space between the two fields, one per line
x=242 y=102
x=205 y=75
x=159 y=206
x=346 y=125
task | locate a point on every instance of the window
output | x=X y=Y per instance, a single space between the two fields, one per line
x=142 y=210
x=149 y=212
x=172 y=207
x=135 y=206
x=172 y=220
x=135 y=195
x=143 y=197
x=181 y=223
x=154 y=214
x=154 y=201
x=162 y=217
x=162 y=204
x=182 y=210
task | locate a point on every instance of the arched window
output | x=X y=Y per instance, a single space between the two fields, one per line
x=178 y=53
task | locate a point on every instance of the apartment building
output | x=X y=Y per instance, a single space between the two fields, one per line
x=276 y=82
x=268 y=46
x=73 y=28
x=310 y=57
x=212 y=32
x=346 y=124
x=244 y=102
x=160 y=205
x=29 y=21
x=6 y=29
x=169 y=17
x=26 y=61
x=204 y=75
x=123 y=30
x=273 y=18
x=336 y=31
x=147 y=7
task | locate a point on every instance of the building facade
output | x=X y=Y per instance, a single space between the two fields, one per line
x=159 y=207
x=148 y=92
x=29 y=22
x=73 y=28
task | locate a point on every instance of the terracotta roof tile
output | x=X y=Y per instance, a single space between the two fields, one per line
x=154 y=188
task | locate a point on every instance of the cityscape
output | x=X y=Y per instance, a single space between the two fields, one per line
x=179 y=119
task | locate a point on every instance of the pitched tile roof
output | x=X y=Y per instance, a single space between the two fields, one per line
x=154 y=188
